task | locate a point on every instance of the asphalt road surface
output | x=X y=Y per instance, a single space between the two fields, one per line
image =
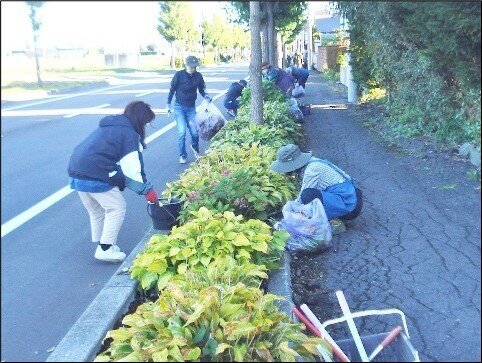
x=49 y=274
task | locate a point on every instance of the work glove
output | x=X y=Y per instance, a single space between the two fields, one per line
x=151 y=196
x=169 y=109
x=208 y=98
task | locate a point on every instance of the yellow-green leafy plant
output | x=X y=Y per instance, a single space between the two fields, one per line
x=253 y=134
x=219 y=323
x=277 y=120
x=197 y=243
x=236 y=179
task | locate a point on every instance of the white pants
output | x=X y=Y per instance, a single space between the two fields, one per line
x=106 y=211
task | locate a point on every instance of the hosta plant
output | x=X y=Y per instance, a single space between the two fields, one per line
x=250 y=191
x=237 y=179
x=219 y=323
x=197 y=243
x=277 y=120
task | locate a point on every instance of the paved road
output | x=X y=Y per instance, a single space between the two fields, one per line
x=415 y=246
x=49 y=274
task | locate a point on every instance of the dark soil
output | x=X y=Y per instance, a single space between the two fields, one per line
x=416 y=244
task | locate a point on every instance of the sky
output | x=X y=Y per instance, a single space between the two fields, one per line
x=90 y=23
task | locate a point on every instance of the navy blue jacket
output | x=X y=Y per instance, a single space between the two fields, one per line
x=235 y=91
x=112 y=154
x=185 y=86
x=299 y=73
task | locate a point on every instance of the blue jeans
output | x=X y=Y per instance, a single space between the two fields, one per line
x=232 y=105
x=185 y=117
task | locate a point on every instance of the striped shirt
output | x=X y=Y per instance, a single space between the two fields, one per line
x=321 y=174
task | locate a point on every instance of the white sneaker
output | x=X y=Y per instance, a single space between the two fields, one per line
x=196 y=154
x=113 y=254
x=182 y=160
x=231 y=112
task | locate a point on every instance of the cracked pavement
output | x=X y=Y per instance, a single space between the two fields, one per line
x=415 y=246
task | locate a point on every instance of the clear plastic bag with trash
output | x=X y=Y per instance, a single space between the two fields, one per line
x=209 y=120
x=308 y=226
x=298 y=91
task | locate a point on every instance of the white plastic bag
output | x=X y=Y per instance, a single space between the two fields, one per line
x=209 y=120
x=307 y=225
x=297 y=114
x=298 y=91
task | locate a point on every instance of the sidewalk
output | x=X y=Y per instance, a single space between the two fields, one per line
x=416 y=244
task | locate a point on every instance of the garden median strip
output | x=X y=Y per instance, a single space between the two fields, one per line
x=83 y=340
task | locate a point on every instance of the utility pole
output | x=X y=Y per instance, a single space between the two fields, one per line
x=352 y=86
x=310 y=36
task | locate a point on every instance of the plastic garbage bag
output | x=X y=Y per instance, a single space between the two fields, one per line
x=307 y=225
x=209 y=120
x=297 y=114
x=298 y=91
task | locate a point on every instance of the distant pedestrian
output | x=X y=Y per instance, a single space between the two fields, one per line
x=321 y=179
x=297 y=60
x=100 y=168
x=231 y=101
x=284 y=81
x=299 y=74
x=185 y=85
x=289 y=58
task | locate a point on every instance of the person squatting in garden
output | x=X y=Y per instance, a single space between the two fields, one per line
x=185 y=85
x=284 y=81
x=299 y=74
x=231 y=102
x=321 y=179
x=100 y=168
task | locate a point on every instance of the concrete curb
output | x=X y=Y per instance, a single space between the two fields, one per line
x=279 y=283
x=83 y=340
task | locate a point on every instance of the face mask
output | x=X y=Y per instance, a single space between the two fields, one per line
x=264 y=71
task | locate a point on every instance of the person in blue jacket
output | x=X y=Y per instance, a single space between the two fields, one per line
x=103 y=165
x=321 y=179
x=231 y=102
x=185 y=85
x=284 y=81
x=299 y=74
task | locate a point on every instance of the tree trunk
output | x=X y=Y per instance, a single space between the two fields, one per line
x=264 y=43
x=255 y=66
x=37 y=64
x=271 y=34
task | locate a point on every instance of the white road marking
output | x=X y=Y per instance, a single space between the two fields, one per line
x=87 y=109
x=38 y=208
x=23 y=217
x=68 y=111
x=145 y=93
x=60 y=98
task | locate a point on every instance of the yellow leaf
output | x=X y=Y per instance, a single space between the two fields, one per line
x=222 y=347
x=241 y=240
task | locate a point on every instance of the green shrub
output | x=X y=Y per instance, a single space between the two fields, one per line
x=236 y=179
x=197 y=243
x=219 y=323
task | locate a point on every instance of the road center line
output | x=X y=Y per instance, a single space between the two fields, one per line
x=86 y=110
x=38 y=208
x=145 y=93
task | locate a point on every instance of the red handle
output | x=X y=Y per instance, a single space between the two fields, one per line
x=341 y=356
x=393 y=334
x=305 y=321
